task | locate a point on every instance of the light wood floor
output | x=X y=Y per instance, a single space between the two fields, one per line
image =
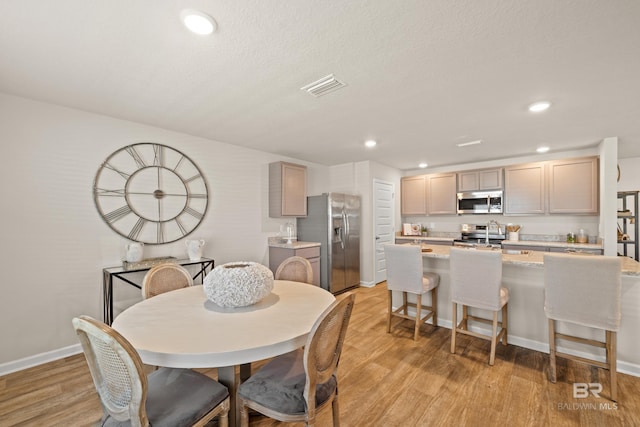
x=385 y=380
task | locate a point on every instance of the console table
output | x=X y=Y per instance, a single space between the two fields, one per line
x=121 y=273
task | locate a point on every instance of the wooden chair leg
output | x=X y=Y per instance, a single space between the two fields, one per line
x=244 y=414
x=552 y=350
x=454 y=325
x=613 y=365
x=418 y=314
x=494 y=338
x=335 y=410
x=465 y=317
x=390 y=311
x=505 y=322
x=404 y=303
x=434 y=305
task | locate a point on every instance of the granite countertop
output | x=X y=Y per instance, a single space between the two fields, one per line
x=280 y=243
x=552 y=244
x=434 y=238
x=630 y=267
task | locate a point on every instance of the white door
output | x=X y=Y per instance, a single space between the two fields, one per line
x=383 y=196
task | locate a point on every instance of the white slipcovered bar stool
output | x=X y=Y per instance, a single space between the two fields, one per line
x=405 y=274
x=476 y=281
x=584 y=290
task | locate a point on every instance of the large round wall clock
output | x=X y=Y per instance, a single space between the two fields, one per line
x=150 y=193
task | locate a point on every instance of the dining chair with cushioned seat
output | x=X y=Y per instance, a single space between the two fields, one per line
x=296 y=269
x=476 y=281
x=164 y=278
x=583 y=290
x=297 y=386
x=405 y=274
x=166 y=397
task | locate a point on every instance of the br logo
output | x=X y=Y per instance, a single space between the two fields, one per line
x=581 y=390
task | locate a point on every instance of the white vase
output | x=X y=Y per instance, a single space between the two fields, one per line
x=134 y=251
x=194 y=249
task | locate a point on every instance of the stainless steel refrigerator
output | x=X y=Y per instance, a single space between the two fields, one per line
x=333 y=219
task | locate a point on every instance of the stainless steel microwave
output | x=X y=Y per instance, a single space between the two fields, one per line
x=480 y=202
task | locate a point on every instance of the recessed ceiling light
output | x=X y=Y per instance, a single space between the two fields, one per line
x=539 y=106
x=370 y=143
x=422 y=165
x=542 y=149
x=466 y=144
x=198 y=22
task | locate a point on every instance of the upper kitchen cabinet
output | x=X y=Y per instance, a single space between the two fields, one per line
x=524 y=189
x=441 y=194
x=480 y=180
x=573 y=186
x=287 y=190
x=413 y=195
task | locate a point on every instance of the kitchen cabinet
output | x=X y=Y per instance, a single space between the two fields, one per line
x=573 y=186
x=287 y=190
x=441 y=194
x=279 y=254
x=413 y=195
x=628 y=217
x=480 y=180
x=524 y=189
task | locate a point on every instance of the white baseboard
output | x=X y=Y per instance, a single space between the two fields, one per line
x=39 y=359
x=368 y=284
x=543 y=347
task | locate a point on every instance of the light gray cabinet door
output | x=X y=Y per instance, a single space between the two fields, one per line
x=413 y=193
x=480 y=180
x=524 y=189
x=287 y=190
x=441 y=194
x=573 y=186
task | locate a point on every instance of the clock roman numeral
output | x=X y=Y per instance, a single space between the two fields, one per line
x=158 y=155
x=194 y=213
x=160 y=232
x=106 y=192
x=136 y=156
x=137 y=228
x=115 y=215
x=116 y=170
x=193 y=178
x=178 y=164
x=181 y=227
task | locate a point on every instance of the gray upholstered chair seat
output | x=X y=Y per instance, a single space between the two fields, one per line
x=177 y=397
x=279 y=385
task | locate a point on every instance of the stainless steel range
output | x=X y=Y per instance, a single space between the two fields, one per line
x=491 y=233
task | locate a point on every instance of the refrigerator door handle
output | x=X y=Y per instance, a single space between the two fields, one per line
x=345 y=220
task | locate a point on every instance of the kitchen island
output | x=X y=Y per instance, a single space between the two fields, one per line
x=523 y=275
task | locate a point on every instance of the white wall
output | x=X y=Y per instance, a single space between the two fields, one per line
x=54 y=243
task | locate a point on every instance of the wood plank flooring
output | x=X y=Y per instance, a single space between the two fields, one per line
x=385 y=380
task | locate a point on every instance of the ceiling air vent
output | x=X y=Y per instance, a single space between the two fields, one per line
x=323 y=86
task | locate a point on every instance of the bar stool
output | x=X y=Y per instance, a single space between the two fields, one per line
x=404 y=274
x=476 y=281
x=583 y=290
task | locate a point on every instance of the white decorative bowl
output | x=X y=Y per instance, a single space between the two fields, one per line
x=238 y=284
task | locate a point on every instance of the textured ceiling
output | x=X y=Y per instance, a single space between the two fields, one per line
x=422 y=75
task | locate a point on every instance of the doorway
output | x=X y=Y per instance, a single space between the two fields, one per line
x=384 y=226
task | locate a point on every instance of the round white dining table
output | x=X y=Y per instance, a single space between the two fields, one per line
x=183 y=329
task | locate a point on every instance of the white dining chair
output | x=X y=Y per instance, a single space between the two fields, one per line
x=405 y=275
x=476 y=281
x=583 y=290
